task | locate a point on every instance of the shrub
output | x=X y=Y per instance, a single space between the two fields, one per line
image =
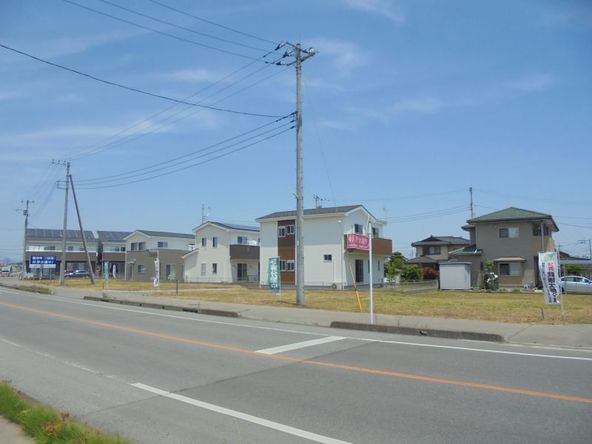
x=429 y=274
x=412 y=273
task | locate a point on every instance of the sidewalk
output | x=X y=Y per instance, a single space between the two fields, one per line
x=571 y=336
x=12 y=433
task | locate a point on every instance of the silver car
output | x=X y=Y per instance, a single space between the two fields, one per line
x=576 y=284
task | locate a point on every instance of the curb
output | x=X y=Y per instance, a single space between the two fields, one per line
x=448 y=334
x=32 y=288
x=204 y=311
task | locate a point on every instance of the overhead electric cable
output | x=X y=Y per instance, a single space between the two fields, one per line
x=113 y=140
x=130 y=88
x=157 y=31
x=165 y=22
x=191 y=165
x=174 y=160
x=210 y=22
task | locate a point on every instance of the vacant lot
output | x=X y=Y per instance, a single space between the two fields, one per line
x=503 y=306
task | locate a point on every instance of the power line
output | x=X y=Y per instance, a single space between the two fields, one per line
x=191 y=165
x=166 y=121
x=175 y=161
x=228 y=28
x=130 y=88
x=164 y=33
x=165 y=22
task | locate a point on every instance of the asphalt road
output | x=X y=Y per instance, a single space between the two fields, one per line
x=162 y=377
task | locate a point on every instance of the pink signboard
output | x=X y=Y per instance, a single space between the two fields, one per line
x=357 y=241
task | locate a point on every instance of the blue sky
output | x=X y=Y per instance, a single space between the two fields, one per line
x=407 y=104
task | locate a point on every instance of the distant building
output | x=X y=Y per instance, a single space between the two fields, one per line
x=434 y=249
x=333 y=250
x=112 y=250
x=47 y=244
x=143 y=247
x=224 y=253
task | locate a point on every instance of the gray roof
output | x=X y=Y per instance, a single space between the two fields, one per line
x=165 y=234
x=513 y=213
x=470 y=250
x=442 y=240
x=55 y=235
x=423 y=260
x=232 y=226
x=313 y=211
x=113 y=236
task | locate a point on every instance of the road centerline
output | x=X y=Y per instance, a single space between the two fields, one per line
x=240 y=415
x=299 y=345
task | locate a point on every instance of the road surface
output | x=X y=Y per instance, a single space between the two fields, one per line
x=160 y=377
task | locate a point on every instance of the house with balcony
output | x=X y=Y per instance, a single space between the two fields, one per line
x=112 y=252
x=225 y=253
x=432 y=250
x=335 y=246
x=43 y=251
x=144 y=247
x=511 y=239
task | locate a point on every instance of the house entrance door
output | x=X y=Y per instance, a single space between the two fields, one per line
x=241 y=272
x=359 y=270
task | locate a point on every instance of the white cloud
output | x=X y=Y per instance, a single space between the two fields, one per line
x=195 y=75
x=532 y=83
x=422 y=105
x=383 y=8
x=345 y=56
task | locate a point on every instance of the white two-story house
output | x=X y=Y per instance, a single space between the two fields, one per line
x=225 y=253
x=335 y=246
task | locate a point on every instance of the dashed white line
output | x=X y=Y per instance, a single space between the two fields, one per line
x=299 y=345
x=240 y=415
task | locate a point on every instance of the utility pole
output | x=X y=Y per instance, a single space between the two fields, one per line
x=300 y=55
x=26 y=214
x=65 y=230
x=471 y=205
x=88 y=262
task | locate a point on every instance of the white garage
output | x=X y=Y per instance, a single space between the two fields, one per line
x=455 y=275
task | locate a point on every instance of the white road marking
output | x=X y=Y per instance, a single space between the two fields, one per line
x=240 y=415
x=298 y=345
x=105 y=306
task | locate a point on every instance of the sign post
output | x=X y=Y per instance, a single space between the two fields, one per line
x=273 y=272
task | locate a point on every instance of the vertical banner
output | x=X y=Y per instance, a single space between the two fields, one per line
x=106 y=271
x=156 y=282
x=273 y=273
x=549 y=271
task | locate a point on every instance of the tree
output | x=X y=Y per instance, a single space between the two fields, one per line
x=574 y=270
x=429 y=274
x=394 y=265
x=412 y=272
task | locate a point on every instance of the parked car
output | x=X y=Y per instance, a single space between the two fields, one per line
x=576 y=284
x=77 y=273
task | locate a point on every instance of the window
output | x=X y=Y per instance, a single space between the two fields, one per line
x=510 y=269
x=510 y=232
x=287 y=265
x=242 y=240
x=214 y=242
x=141 y=246
x=289 y=230
x=204 y=241
x=203 y=269
x=214 y=268
x=432 y=249
x=162 y=245
x=281 y=231
x=70 y=248
x=536 y=230
x=141 y=268
x=358 y=228
x=327 y=257
x=49 y=248
x=134 y=246
x=375 y=232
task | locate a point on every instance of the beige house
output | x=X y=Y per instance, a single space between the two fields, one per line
x=432 y=250
x=511 y=239
x=143 y=247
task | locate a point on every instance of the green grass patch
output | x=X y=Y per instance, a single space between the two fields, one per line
x=45 y=425
x=29 y=287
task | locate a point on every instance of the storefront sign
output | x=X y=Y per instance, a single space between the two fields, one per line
x=357 y=242
x=42 y=262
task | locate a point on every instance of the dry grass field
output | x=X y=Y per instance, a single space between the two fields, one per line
x=515 y=307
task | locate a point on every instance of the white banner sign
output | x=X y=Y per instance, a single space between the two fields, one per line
x=549 y=271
